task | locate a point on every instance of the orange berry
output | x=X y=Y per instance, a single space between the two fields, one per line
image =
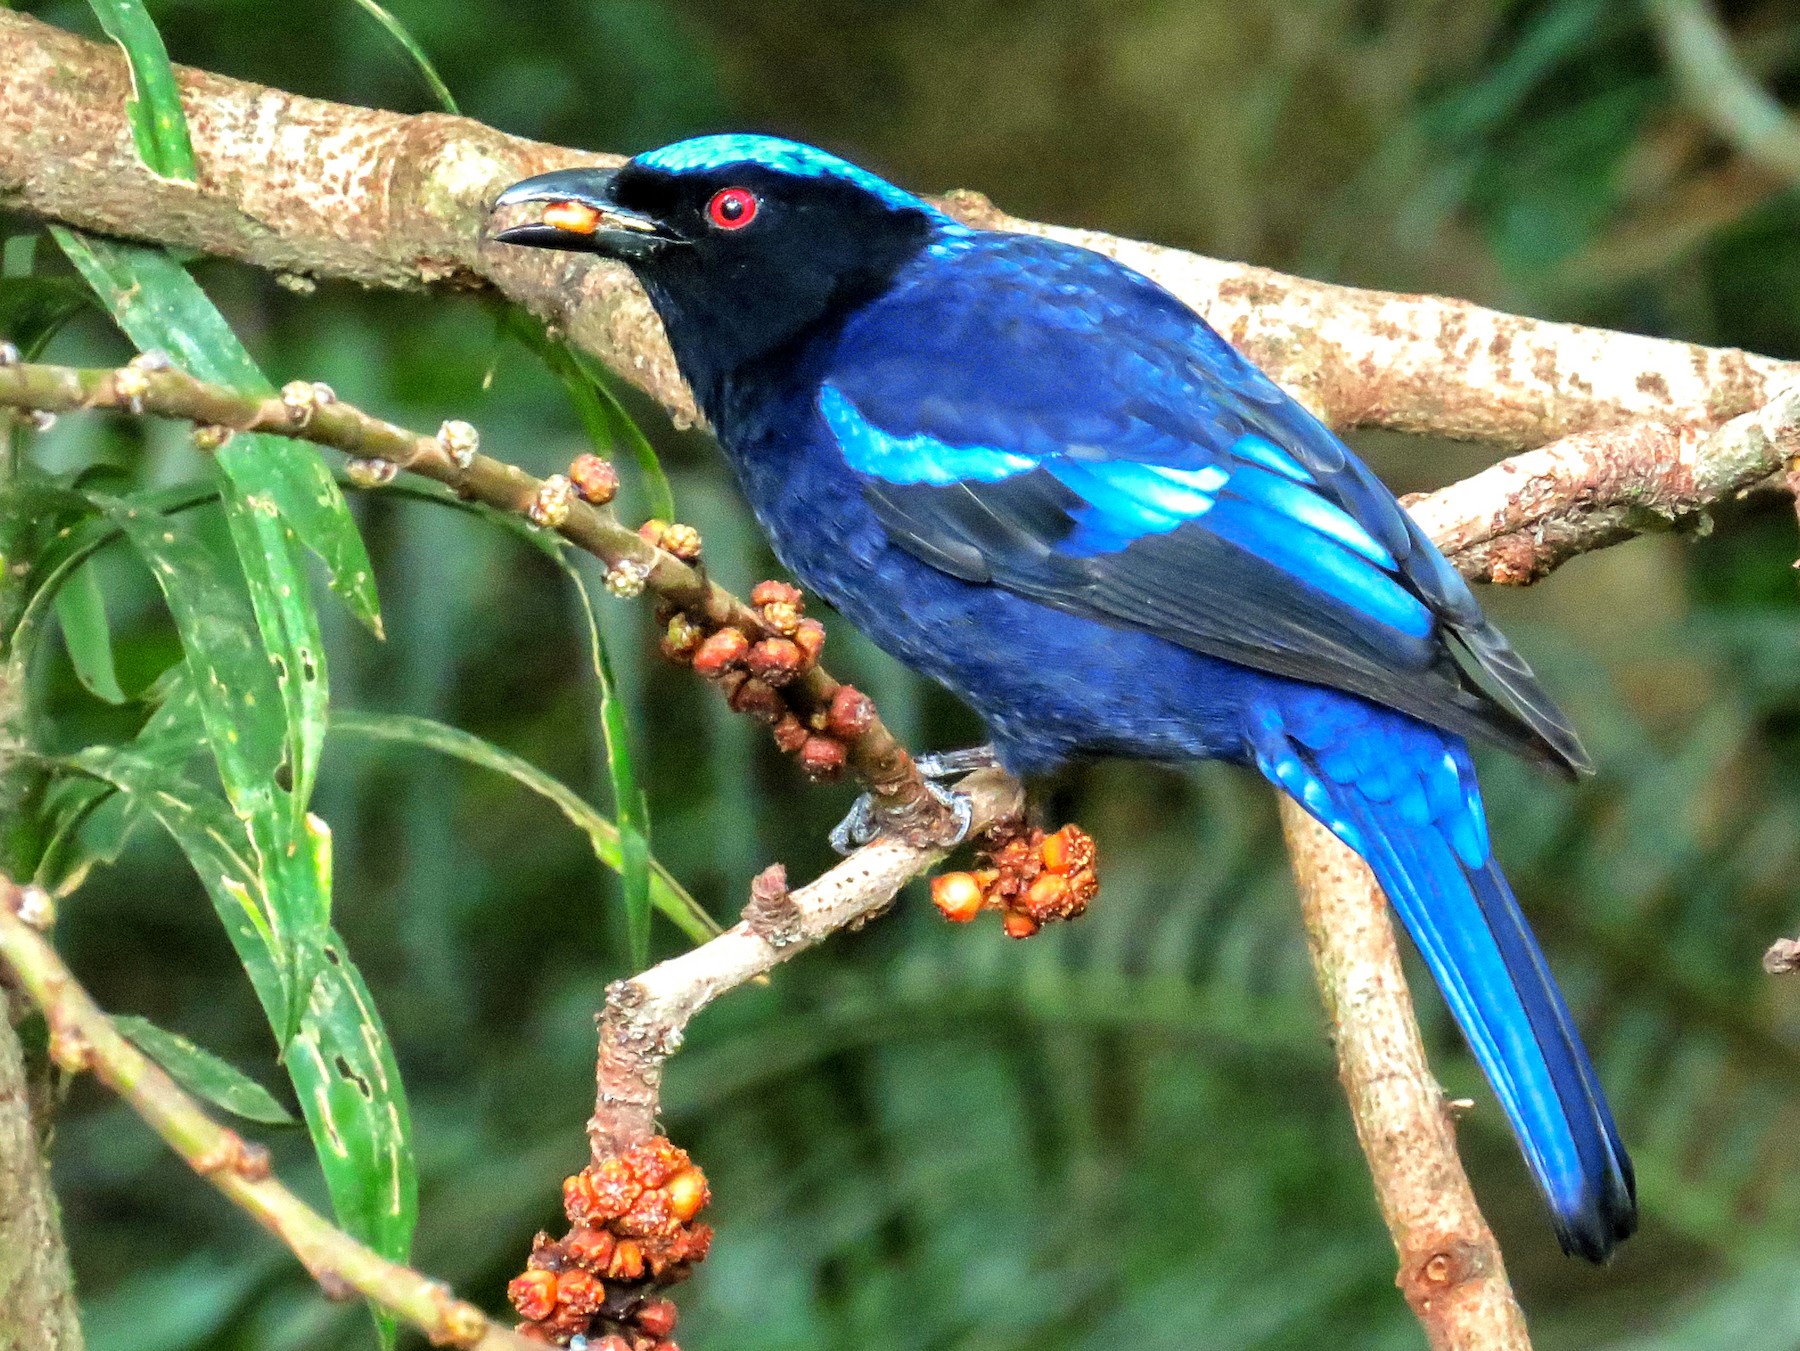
x=1069 y=850
x=688 y=1194
x=656 y=1317
x=1046 y=895
x=1019 y=925
x=957 y=896
x=533 y=1294
x=627 y=1261
x=575 y=218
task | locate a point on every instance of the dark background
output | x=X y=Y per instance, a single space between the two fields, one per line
x=1128 y=1134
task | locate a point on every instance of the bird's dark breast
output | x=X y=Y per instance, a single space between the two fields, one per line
x=1033 y=673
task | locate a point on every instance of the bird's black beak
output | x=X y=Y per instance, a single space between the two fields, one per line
x=576 y=212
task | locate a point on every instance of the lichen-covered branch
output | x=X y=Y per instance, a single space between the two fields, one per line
x=329 y=190
x=82 y=1038
x=1523 y=517
x=1450 y=1266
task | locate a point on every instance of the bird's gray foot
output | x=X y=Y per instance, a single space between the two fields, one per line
x=865 y=824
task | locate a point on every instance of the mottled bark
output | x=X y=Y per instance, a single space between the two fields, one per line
x=301 y=185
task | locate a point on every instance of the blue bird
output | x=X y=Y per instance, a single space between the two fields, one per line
x=1038 y=478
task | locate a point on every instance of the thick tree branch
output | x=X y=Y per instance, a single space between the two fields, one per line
x=305 y=186
x=83 y=1038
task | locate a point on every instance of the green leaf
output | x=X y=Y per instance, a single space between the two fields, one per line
x=406 y=42
x=160 y=307
x=239 y=701
x=81 y=610
x=609 y=427
x=32 y=309
x=340 y=1059
x=666 y=893
x=217 y=848
x=157 y=122
x=629 y=802
x=203 y=1074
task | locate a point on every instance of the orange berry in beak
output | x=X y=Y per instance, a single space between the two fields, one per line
x=575 y=218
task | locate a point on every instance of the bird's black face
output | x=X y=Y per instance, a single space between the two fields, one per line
x=743 y=260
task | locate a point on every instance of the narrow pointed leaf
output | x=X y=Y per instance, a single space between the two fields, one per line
x=81 y=610
x=629 y=803
x=204 y=1074
x=666 y=893
x=408 y=44
x=158 y=125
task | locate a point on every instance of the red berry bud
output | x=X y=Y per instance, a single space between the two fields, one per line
x=722 y=651
x=851 y=713
x=822 y=757
x=595 y=479
x=776 y=660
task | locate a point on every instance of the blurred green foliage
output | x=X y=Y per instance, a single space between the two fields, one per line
x=924 y=1138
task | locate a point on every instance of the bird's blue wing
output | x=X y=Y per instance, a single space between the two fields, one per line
x=1034 y=416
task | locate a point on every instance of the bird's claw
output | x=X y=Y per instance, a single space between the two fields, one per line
x=865 y=822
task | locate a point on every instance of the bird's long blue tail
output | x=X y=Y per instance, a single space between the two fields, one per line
x=1403 y=795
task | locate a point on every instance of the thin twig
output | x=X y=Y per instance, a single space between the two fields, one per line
x=83 y=1038
x=1716 y=85
x=301 y=412
x=645 y=1016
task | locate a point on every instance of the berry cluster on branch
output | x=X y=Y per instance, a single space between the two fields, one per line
x=632 y=1234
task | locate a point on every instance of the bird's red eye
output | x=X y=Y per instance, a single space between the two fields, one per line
x=732 y=208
